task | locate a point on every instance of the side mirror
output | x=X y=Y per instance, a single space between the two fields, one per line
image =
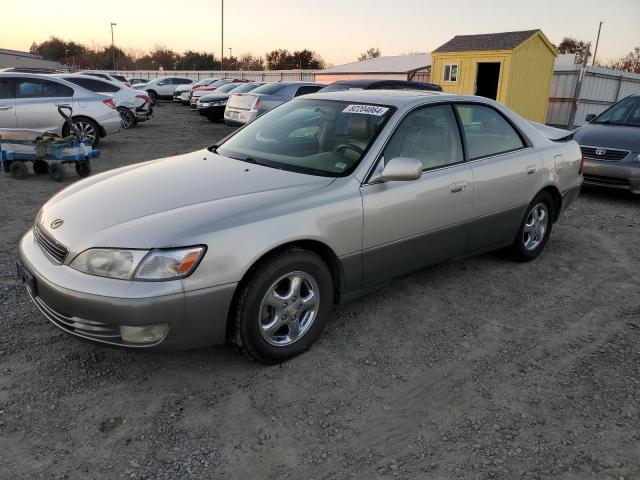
x=590 y=117
x=399 y=169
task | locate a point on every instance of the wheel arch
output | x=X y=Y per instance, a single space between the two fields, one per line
x=556 y=196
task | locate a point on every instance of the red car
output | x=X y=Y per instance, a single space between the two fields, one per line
x=212 y=87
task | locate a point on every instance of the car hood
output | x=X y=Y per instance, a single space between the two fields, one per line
x=165 y=202
x=611 y=136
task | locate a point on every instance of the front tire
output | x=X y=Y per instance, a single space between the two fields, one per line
x=535 y=229
x=283 y=307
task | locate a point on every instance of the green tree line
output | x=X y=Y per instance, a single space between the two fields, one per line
x=106 y=58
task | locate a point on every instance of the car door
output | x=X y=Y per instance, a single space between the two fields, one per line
x=7 y=103
x=37 y=103
x=412 y=224
x=506 y=173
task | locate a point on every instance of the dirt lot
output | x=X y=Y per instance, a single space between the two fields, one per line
x=476 y=369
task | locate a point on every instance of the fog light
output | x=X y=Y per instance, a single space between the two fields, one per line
x=144 y=333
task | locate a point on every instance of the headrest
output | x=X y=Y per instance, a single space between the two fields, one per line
x=359 y=126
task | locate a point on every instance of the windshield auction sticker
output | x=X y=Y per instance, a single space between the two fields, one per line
x=366 y=109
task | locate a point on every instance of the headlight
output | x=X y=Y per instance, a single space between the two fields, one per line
x=139 y=264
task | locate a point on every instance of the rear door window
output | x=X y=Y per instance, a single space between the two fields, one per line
x=35 y=88
x=7 y=89
x=487 y=132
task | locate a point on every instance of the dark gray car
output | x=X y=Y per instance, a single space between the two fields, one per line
x=243 y=108
x=610 y=144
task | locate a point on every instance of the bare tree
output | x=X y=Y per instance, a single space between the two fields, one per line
x=371 y=53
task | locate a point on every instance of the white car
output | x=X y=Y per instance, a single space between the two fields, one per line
x=184 y=96
x=30 y=101
x=111 y=76
x=163 y=86
x=133 y=106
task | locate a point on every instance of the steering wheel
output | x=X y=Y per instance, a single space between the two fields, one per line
x=349 y=146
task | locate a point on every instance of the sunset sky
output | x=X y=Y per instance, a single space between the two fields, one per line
x=337 y=29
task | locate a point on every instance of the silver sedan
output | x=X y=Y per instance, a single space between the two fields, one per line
x=317 y=202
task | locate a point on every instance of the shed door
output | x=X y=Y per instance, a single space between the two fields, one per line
x=487 y=80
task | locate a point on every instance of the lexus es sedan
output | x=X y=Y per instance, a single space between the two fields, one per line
x=610 y=143
x=318 y=201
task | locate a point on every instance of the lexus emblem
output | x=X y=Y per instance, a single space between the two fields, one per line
x=601 y=151
x=57 y=223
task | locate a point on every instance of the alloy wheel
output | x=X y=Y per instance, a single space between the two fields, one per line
x=535 y=226
x=86 y=130
x=289 y=308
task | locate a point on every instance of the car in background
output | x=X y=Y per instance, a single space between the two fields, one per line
x=31 y=101
x=163 y=87
x=30 y=70
x=181 y=94
x=610 y=143
x=111 y=76
x=243 y=108
x=212 y=105
x=136 y=81
x=133 y=106
x=378 y=84
x=196 y=93
x=313 y=204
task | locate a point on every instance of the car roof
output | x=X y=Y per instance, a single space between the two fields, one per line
x=79 y=75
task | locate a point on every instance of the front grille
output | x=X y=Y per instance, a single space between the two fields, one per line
x=85 y=328
x=605 y=154
x=49 y=245
x=607 y=181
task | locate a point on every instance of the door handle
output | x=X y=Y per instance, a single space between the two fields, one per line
x=458 y=187
x=4 y=107
x=532 y=169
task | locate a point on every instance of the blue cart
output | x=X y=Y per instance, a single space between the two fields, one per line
x=46 y=151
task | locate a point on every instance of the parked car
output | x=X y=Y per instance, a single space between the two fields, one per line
x=133 y=106
x=111 y=76
x=136 y=81
x=314 y=203
x=163 y=87
x=610 y=143
x=378 y=84
x=244 y=108
x=212 y=105
x=196 y=94
x=181 y=94
x=31 y=102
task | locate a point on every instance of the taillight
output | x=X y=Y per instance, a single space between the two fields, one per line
x=581 y=169
x=127 y=84
x=143 y=97
x=256 y=104
x=109 y=102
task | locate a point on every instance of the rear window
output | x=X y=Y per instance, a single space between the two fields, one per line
x=93 y=85
x=270 y=88
x=340 y=87
x=246 y=87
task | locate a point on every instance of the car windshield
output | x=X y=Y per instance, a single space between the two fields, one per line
x=219 y=83
x=625 y=112
x=317 y=137
x=269 y=88
x=246 y=87
x=228 y=87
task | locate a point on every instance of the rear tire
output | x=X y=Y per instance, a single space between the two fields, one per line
x=153 y=96
x=276 y=317
x=534 y=230
x=18 y=170
x=40 y=167
x=56 y=171
x=83 y=168
x=128 y=119
x=86 y=126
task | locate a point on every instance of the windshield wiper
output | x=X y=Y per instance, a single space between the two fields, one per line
x=214 y=148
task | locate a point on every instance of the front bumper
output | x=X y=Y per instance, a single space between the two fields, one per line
x=196 y=318
x=623 y=175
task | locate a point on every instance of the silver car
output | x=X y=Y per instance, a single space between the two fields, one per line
x=317 y=202
x=31 y=101
x=243 y=108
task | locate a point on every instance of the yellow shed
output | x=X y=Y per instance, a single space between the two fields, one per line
x=514 y=68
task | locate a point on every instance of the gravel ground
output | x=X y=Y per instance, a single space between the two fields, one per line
x=475 y=369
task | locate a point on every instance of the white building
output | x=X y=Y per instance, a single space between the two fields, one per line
x=400 y=67
x=15 y=58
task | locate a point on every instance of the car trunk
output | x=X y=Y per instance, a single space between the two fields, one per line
x=242 y=101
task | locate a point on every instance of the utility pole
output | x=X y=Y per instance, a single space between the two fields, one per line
x=595 y=51
x=113 y=48
x=222 y=36
x=576 y=92
x=230 y=55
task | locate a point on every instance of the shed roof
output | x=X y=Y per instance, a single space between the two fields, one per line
x=486 y=41
x=390 y=64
